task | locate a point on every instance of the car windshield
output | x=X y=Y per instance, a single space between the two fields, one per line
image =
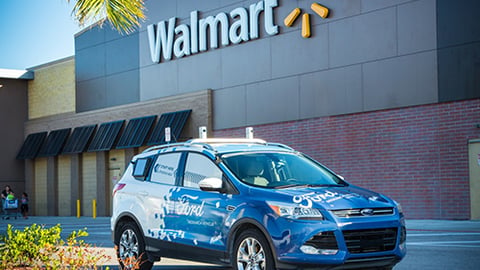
x=280 y=170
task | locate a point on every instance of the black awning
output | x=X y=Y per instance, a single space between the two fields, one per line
x=77 y=142
x=136 y=132
x=31 y=145
x=54 y=144
x=175 y=120
x=106 y=136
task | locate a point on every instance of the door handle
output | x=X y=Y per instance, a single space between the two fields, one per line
x=143 y=193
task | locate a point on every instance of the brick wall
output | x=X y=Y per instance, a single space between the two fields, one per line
x=52 y=91
x=416 y=155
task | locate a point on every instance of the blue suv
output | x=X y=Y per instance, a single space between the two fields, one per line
x=250 y=204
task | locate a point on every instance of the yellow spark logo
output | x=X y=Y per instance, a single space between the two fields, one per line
x=317 y=8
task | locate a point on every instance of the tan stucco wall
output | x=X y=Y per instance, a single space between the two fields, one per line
x=64 y=186
x=40 y=208
x=53 y=90
x=89 y=184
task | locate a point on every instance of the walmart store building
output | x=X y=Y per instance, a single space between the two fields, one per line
x=386 y=93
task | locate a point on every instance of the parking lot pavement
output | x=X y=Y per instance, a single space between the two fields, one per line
x=431 y=244
x=442 y=244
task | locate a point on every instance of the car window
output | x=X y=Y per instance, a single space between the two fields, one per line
x=199 y=167
x=165 y=168
x=141 y=168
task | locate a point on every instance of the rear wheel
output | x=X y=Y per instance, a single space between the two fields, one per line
x=252 y=252
x=131 y=248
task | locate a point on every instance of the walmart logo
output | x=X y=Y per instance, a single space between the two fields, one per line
x=317 y=8
x=168 y=40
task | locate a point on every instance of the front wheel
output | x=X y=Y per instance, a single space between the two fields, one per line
x=131 y=248
x=252 y=252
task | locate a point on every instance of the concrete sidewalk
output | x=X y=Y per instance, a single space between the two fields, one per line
x=443 y=225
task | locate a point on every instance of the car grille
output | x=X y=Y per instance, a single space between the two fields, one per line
x=373 y=240
x=323 y=240
x=363 y=212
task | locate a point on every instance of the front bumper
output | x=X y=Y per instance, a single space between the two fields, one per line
x=369 y=243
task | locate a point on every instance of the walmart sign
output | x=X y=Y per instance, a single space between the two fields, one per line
x=166 y=38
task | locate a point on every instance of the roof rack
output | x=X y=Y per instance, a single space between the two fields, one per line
x=162 y=146
x=226 y=140
x=206 y=143
x=281 y=145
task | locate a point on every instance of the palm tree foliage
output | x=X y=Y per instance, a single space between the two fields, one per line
x=123 y=15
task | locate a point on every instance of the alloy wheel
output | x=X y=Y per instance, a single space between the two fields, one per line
x=250 y=255
x=128 y=247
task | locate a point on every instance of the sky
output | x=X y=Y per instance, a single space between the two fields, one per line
x=35 y=32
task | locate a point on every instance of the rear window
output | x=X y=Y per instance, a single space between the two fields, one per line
x=141 y=168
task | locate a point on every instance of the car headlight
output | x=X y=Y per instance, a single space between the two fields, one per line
x=295 y=211
x=399 y=207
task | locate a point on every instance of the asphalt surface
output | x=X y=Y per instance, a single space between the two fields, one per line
x=431 y=244
x=442 y=244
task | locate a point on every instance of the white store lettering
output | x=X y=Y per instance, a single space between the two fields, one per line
x=183 y=40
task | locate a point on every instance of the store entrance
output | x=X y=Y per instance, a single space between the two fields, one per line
x=474 y=168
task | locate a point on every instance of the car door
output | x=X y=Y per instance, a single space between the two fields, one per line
x=201 y=213
x=158 y=196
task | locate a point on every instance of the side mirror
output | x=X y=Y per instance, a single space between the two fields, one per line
x=211 y=184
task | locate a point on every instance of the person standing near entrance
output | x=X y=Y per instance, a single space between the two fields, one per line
x=24 y=205
x=5 y=193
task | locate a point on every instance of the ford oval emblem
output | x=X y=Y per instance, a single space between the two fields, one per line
x=367 y=212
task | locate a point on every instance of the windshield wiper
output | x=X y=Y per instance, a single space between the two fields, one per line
x=331 y=185
x=292 y=185
x=309 y=185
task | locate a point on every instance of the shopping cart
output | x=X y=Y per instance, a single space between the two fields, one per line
x=10 y=209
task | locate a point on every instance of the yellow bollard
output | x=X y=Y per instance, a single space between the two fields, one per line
x=94 y=208
x=78 y=208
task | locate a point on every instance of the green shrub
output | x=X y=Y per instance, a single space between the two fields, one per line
x=38 y=247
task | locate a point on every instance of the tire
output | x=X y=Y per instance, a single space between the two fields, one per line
x=130 y=248
x=252 y=252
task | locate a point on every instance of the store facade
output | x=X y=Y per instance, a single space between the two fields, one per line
x=386 y=93
x=13 y=114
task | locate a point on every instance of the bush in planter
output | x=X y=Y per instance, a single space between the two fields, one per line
x=38 y=247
